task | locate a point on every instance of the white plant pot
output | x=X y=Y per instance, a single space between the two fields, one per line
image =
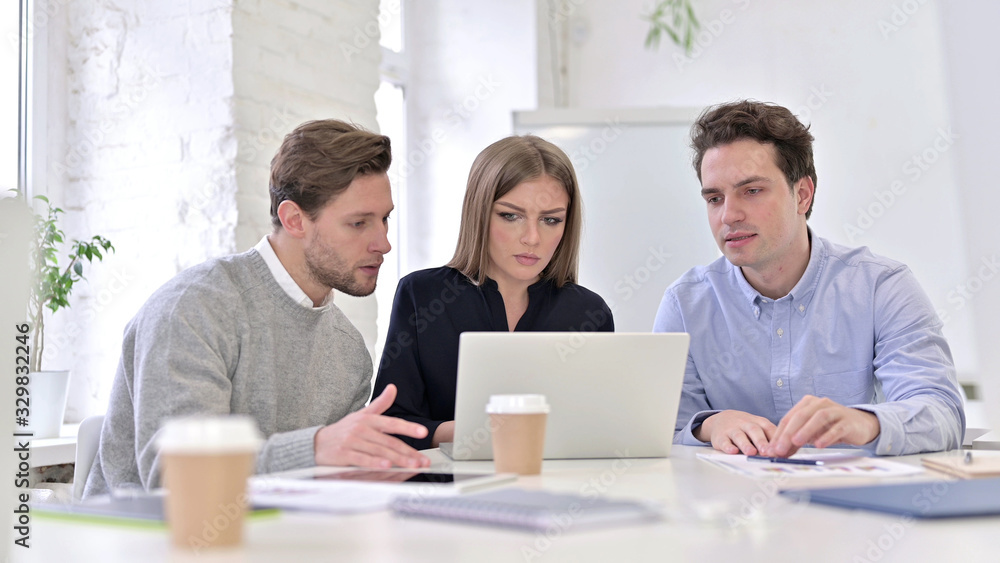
x=47 y=403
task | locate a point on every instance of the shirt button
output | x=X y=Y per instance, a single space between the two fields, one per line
x=780 y=332
x=780 y=383
x=802 y=308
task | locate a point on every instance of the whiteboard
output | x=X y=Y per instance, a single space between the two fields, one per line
x=645 y=222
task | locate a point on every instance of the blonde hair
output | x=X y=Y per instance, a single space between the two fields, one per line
x=497 y=170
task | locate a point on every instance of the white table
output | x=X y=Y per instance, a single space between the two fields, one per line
x=706 y=504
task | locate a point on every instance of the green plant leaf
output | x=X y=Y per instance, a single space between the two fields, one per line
x=53 y=285
x=676 y=19
x=653 y=38
x=673 y=36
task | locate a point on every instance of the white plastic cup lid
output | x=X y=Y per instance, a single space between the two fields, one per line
x=210 y=434
x=517 y=404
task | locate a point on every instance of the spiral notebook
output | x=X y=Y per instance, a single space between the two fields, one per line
x=529 y=510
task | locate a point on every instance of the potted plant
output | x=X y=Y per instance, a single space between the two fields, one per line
x=51 y=285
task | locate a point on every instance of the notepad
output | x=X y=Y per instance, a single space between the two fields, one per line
x=530 y=510
x=979 y=464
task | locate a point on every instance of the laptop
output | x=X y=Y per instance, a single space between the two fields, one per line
x=611 y=395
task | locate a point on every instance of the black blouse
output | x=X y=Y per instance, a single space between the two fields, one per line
x=433 y=307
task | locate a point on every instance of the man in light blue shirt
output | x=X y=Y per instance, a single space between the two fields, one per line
x=796 y=340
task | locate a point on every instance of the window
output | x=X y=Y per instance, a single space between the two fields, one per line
x=390 y=104
x=10 y=86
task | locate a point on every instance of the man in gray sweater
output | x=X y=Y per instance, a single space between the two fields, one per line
x=257 y=333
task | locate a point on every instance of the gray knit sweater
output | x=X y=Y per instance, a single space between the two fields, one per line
x=223 y=337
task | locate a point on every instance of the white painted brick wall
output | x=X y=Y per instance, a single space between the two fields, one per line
x=170 y=116
x=289 y=67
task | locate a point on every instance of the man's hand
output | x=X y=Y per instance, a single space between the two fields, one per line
x=363 y=438
x=734 y=432
x=822 y=423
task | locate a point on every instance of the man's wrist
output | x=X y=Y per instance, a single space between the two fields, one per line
x=700 y=431
x=874 y=427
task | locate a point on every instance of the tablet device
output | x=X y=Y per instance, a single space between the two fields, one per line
x=461 y=480
x=397 y=480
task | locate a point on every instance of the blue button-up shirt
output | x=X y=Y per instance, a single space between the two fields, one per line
x=857 y=328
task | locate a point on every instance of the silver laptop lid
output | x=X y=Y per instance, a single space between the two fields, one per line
x=611 y=394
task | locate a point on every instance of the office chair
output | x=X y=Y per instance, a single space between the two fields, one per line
x=88 y=437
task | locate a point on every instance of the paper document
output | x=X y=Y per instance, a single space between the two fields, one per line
x=315 y=497
x=352 y=490
x=835 y=464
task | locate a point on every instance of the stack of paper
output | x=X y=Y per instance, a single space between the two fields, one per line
x=835 y=464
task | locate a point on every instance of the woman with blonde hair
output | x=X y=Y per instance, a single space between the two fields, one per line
x=514 y=269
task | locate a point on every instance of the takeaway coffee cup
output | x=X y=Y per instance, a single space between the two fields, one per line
x=206 y=462
x=518 y=426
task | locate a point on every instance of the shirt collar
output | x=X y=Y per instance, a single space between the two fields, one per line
x=533 y=288
x=284 y=279
x=803 y=291
x=748 y=291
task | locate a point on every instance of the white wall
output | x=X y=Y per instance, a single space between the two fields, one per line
x=973 y=55
x=163 y=119
x=143 y=123
x=872 y=82
x=872 y=77
x=294 y=61
x=471 y=65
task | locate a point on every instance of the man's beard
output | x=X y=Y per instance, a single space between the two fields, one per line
x=328 y=268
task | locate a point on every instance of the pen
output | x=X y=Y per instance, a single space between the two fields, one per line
x=785 y=460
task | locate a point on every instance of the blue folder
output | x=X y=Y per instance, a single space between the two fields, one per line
x=928 y=499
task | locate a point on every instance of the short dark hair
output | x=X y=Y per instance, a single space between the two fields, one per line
x=319 y=160
x=766 y=123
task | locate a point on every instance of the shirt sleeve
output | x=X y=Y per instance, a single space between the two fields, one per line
x=400 y=365
x=605 y=318
x=923 y=409
x=297 y=448
x=694 y=407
